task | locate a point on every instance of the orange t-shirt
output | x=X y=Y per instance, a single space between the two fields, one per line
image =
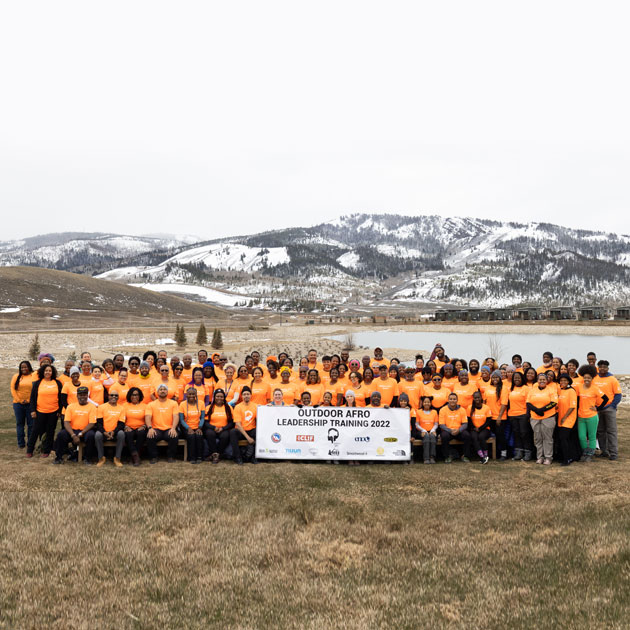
x=567 y=399
x=290 y=393
x=146 y=386
x=219 y=416
x=589 y=398
x=23 y=393
x=86 y=379
x=132 y=379
x=316 y=390
x=426 y=419
x=79 y=416
x=540 y=398
x=414 y=389
x=608 y=385
x=494 y=402
x=453 y=418
x=479 y=416
x=71 y=391
x=465 y=394
x=192 y=413
x=388 y=388
x=261 y=392
x=97 y=393
x=335 y=390
x=517 y=399
x=135 y=415
x=161 y=413
x=48 y=396
x=111 y=415
x=450 y=382
x=439 y=397
x=121 y=390
x=246 y=415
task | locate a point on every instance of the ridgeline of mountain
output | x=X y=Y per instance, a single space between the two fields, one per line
x=360 y=261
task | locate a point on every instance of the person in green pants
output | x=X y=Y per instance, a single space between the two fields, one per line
x=590 y=400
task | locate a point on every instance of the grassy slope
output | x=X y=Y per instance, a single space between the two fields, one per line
x=311 y=546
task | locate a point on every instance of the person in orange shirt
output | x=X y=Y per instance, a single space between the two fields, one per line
x=369 y=384
x=45 y=407
x=410 y=386
x=272 y=377
x=484 y=380
x=518 y=418
x=567 y=416
x=244 y=428
x=97 y=387
x=133 y=373
x=162 y=418
x=110 y=425
x=165 y=378
x=541 y=403
x=607 y=425
x=454 y=426
x=356 y=387
x=438 y=357
x=290 y=393
x=572 y=368
x=135 y=423
x=546 y=364
x=464 y=390
x=474 y=371
x=314 y=387
x=191 y=419
x=378 y=359
x=313 y=364
x=230 y=385
x=64 y=376
x=261 y=391
x=437 y=393
x=109 y=376
x=86 y=373
x=145 y=381
x=21 y=386
x=591 y=401
x=218 y=426
x=79 y=422
x=449 y=379
x=425 y=429
x=335 y=387
x=495 y=396
x=121 y=386
x=387 y=387
x=480 y=429
x=69 y=390
x=187 y=372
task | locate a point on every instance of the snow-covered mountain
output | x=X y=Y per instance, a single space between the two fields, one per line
x=362 y=260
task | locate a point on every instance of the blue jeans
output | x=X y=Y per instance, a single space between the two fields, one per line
x=22 y=415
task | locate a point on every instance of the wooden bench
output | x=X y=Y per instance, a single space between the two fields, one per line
x=180 y=442
x=491 y=441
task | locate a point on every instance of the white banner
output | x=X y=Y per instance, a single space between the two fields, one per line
x=343 y=433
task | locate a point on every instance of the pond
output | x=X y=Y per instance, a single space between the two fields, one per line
x=478 y=345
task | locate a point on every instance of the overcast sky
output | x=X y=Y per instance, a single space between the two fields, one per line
x=220 y=118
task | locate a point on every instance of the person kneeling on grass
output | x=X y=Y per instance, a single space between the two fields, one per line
x=245 y=427
x=162 y=418
x=78 y=424
x=480 y=416
x=454 y=426
x=110 y=425
x=191 y=418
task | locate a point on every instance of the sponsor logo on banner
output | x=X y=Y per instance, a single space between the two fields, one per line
x=293 y=451
x=304 y=438
x=390 y=439
x=333 y=435
x=275 y=438
x=356 y=453
x=271 y=450
x=380 y=451
x=333 y=452
x=313 y=451
x=400 y=453
x=362 y=438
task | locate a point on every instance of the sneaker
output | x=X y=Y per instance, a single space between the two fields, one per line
x=253 y=460
x=117 y=462
x=427 y=461
x=29 y=455
x=239 y=462
x=198 y=460
x=101 y=462
x=485 y=459
x=503 y=458
x=465 y=460
x=568 y=462
x=527 y=457
x=432 y=460
x=540 y=460
x=87 y=462
x=547 y=461
x=57 y=461
x=43 y=455
x=215 y=458
x=518 y=455
x=170 y=460
x=613 y=458
x=153 y=461
x=448 y=460
x=602 y=454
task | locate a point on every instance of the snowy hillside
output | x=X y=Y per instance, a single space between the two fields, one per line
x=361 y=261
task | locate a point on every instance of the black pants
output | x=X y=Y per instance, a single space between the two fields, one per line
x=162 y=434
x=499 y=433
x=480 y=439
x=64 y=438
x=563 y=439
x=135 y=439
x=446 y=438
x=522 y=430
x=235 y=436
x=45 y=423
x=195 y=445
x=217 y=443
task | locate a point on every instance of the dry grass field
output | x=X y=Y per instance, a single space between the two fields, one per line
x=312 y=546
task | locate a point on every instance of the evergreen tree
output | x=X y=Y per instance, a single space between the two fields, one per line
x=217 y=339
x=180 y=336
x=202 y=335
x=34 y=348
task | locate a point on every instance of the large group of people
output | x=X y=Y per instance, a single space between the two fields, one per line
x=557 y=410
